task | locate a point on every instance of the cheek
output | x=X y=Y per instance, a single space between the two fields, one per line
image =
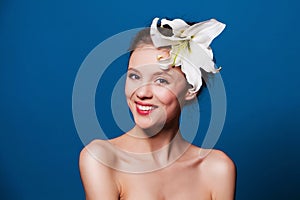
x=129 y=89
x=166 y=96
x=173 y=95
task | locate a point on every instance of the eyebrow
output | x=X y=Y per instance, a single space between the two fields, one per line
x=164 y=72
x=132 y=69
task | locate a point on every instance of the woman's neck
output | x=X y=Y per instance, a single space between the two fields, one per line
x=139 y=140
x=152 y=139
x=149 y=153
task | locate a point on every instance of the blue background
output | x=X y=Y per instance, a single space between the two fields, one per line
x=43 y=43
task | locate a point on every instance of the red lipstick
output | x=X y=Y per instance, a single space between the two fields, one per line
x=144 y=108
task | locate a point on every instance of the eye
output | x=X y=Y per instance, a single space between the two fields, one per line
x=162 y=81
x=133 y=76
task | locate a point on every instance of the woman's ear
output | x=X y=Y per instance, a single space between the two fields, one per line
x=190 y=95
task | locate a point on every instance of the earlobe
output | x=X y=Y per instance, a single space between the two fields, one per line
x=190 y=95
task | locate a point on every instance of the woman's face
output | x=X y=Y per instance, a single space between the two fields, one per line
x=154 y=95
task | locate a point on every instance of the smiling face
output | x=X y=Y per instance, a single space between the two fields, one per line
x=154 y=95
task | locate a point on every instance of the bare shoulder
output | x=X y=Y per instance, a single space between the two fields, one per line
x=101 y=150
x=218 y=162
x=217 y=172
x=211 y=158
x=220 y=175
x=93 y=159
x=98 y=179
x=92 y=151
x=211 y=161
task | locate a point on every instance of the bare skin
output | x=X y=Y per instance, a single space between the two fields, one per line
x=155 y=99
x=190 y=177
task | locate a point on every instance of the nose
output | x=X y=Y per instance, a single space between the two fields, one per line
x=144 y=92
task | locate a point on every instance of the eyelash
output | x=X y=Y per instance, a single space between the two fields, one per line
x=133 y=76
x=160 y=81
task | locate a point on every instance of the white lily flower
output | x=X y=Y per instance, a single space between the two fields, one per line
x=189 y=47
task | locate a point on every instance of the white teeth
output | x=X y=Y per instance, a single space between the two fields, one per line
x=145 y=108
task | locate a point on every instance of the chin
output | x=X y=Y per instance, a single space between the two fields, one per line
x=149 y=124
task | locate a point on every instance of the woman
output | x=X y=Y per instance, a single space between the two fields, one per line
x=152 y=160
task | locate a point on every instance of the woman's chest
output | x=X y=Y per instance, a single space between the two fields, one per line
x=178 y=184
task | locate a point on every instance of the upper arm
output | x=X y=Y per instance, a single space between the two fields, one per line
x=222 y=174
x=98 y=180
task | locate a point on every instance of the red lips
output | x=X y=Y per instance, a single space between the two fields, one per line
x=144 y=108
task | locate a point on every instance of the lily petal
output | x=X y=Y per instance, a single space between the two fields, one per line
x=207 y=50
x=192 y=61
x=189 y=47
x=170 y=61
x=204 y=32
x=156 y=36
x=165 y=63
x=199 y=57
x=178 y=26
x=192 y=74
x=159 y=40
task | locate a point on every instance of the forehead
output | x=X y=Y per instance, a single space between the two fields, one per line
x=144 y=59
x=146 y=55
